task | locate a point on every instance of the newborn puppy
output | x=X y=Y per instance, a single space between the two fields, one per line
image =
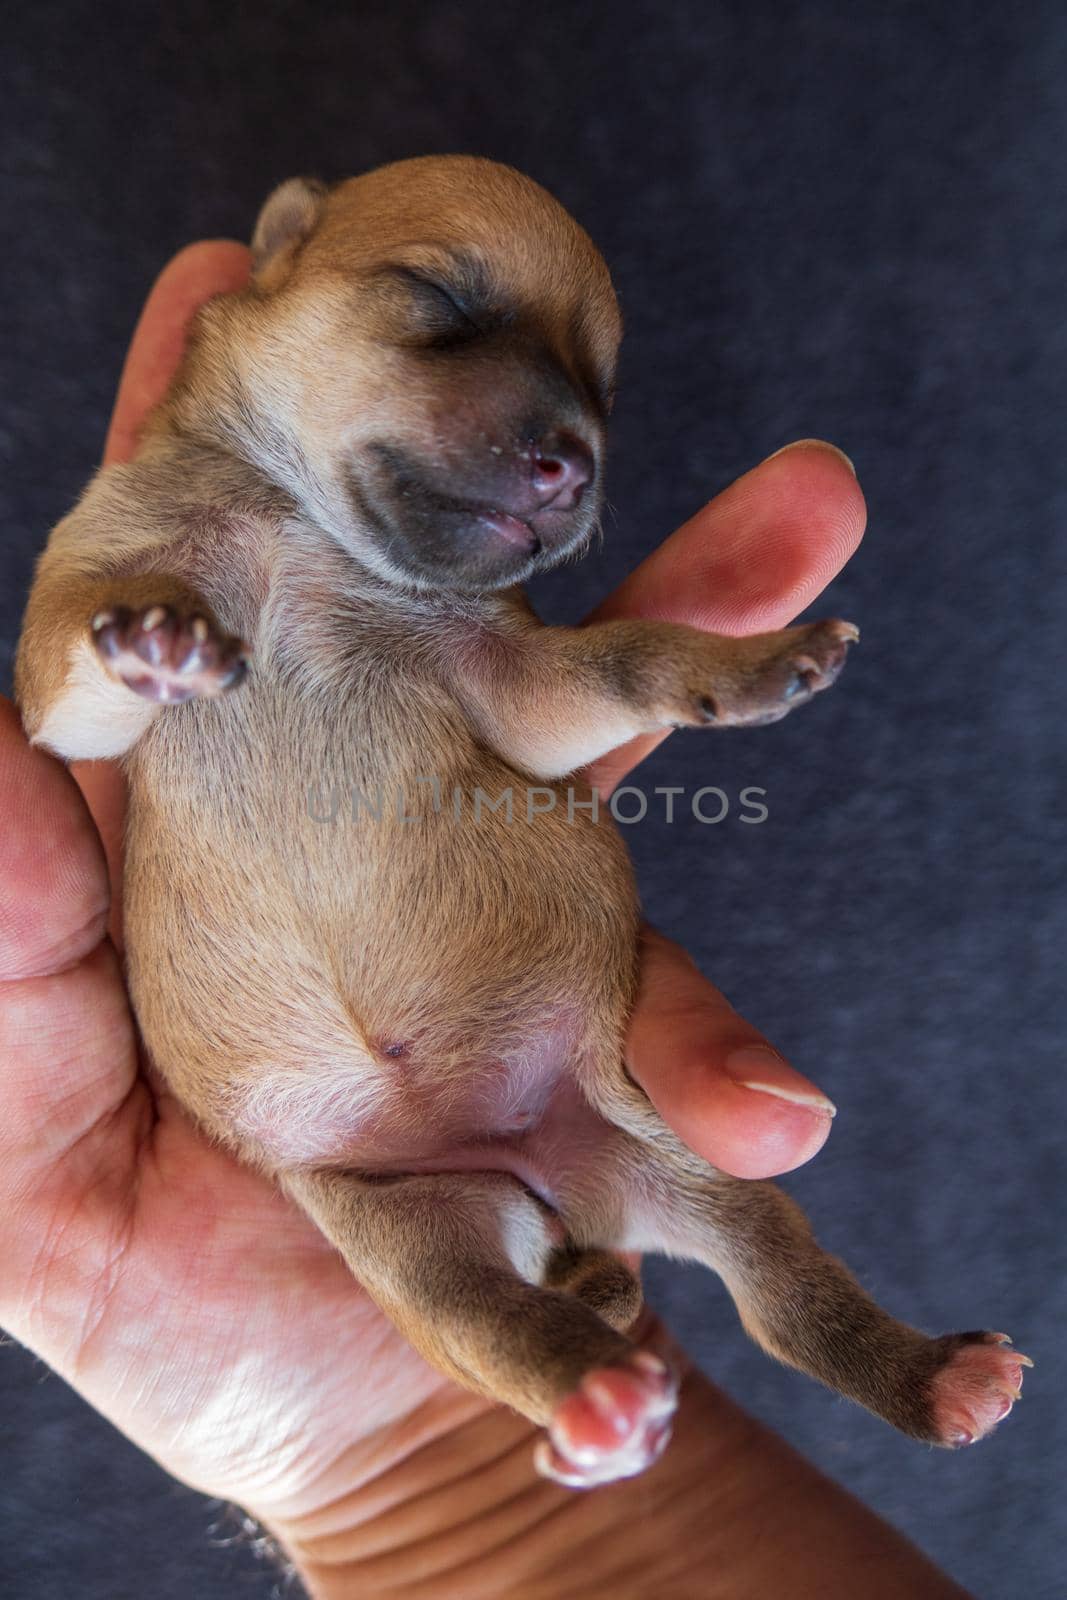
x=415 y=1020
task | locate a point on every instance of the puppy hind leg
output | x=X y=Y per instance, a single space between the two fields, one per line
x=601 y=1280
x=804 y=1307
x=460 y=1262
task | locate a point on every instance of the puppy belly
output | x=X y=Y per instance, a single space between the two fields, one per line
x=372 y=993
x=395 y=1112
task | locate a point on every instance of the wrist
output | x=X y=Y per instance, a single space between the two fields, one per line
x=726 y=1512
x=465 y=1515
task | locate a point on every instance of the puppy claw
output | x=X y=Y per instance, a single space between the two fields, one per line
x=165 y=657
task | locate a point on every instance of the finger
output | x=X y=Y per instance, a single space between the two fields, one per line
x=713 y=1077
x=103 y=788
x=53 y=882
x=749 y=562
x=66 y=1045
x=195 y=275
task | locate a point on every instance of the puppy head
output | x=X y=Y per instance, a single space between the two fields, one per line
x=431 y=348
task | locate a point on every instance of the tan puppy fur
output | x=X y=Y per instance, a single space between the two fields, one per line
x=305 y=587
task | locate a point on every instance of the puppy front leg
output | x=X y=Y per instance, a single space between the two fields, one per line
x=101 y=653
x=467 y=1267
x=561 y=697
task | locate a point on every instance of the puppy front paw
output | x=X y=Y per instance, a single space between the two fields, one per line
x=817 y=662
x=773 y=677
x=976 y=1387
x=165 y=657
x=617 y=1423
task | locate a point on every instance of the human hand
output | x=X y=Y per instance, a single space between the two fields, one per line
x=176 y=1289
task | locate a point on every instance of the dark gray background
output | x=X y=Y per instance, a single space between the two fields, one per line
x=833 y=218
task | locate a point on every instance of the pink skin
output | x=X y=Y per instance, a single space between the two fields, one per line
x=616 y=1424
x=167 y=658
x=976 y=1389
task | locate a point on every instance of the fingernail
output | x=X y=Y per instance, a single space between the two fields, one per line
x=815 y=444
x=758 y=1067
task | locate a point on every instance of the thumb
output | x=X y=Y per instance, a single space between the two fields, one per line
x=713 y=1077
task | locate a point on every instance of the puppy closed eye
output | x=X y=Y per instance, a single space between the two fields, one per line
x=441 y=314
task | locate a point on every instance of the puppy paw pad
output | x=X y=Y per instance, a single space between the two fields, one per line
x=166 y=657
x=976 y=1388
x=616 y=1424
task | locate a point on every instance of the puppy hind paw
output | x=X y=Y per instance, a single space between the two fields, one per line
x=165 y=657
x=615 y=1425
x=975 y=1388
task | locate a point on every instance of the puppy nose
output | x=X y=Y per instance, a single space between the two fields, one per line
x=561 y=465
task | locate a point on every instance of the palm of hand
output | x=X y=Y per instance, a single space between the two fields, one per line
x=266 y=1366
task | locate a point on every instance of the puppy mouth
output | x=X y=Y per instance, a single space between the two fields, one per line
x=512 y=529
x=436 y=536
x=525 y=532
x=517 y=535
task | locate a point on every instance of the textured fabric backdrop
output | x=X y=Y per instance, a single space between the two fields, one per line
x=829 y=218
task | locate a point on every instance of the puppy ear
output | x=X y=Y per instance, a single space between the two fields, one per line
x=287 y=218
